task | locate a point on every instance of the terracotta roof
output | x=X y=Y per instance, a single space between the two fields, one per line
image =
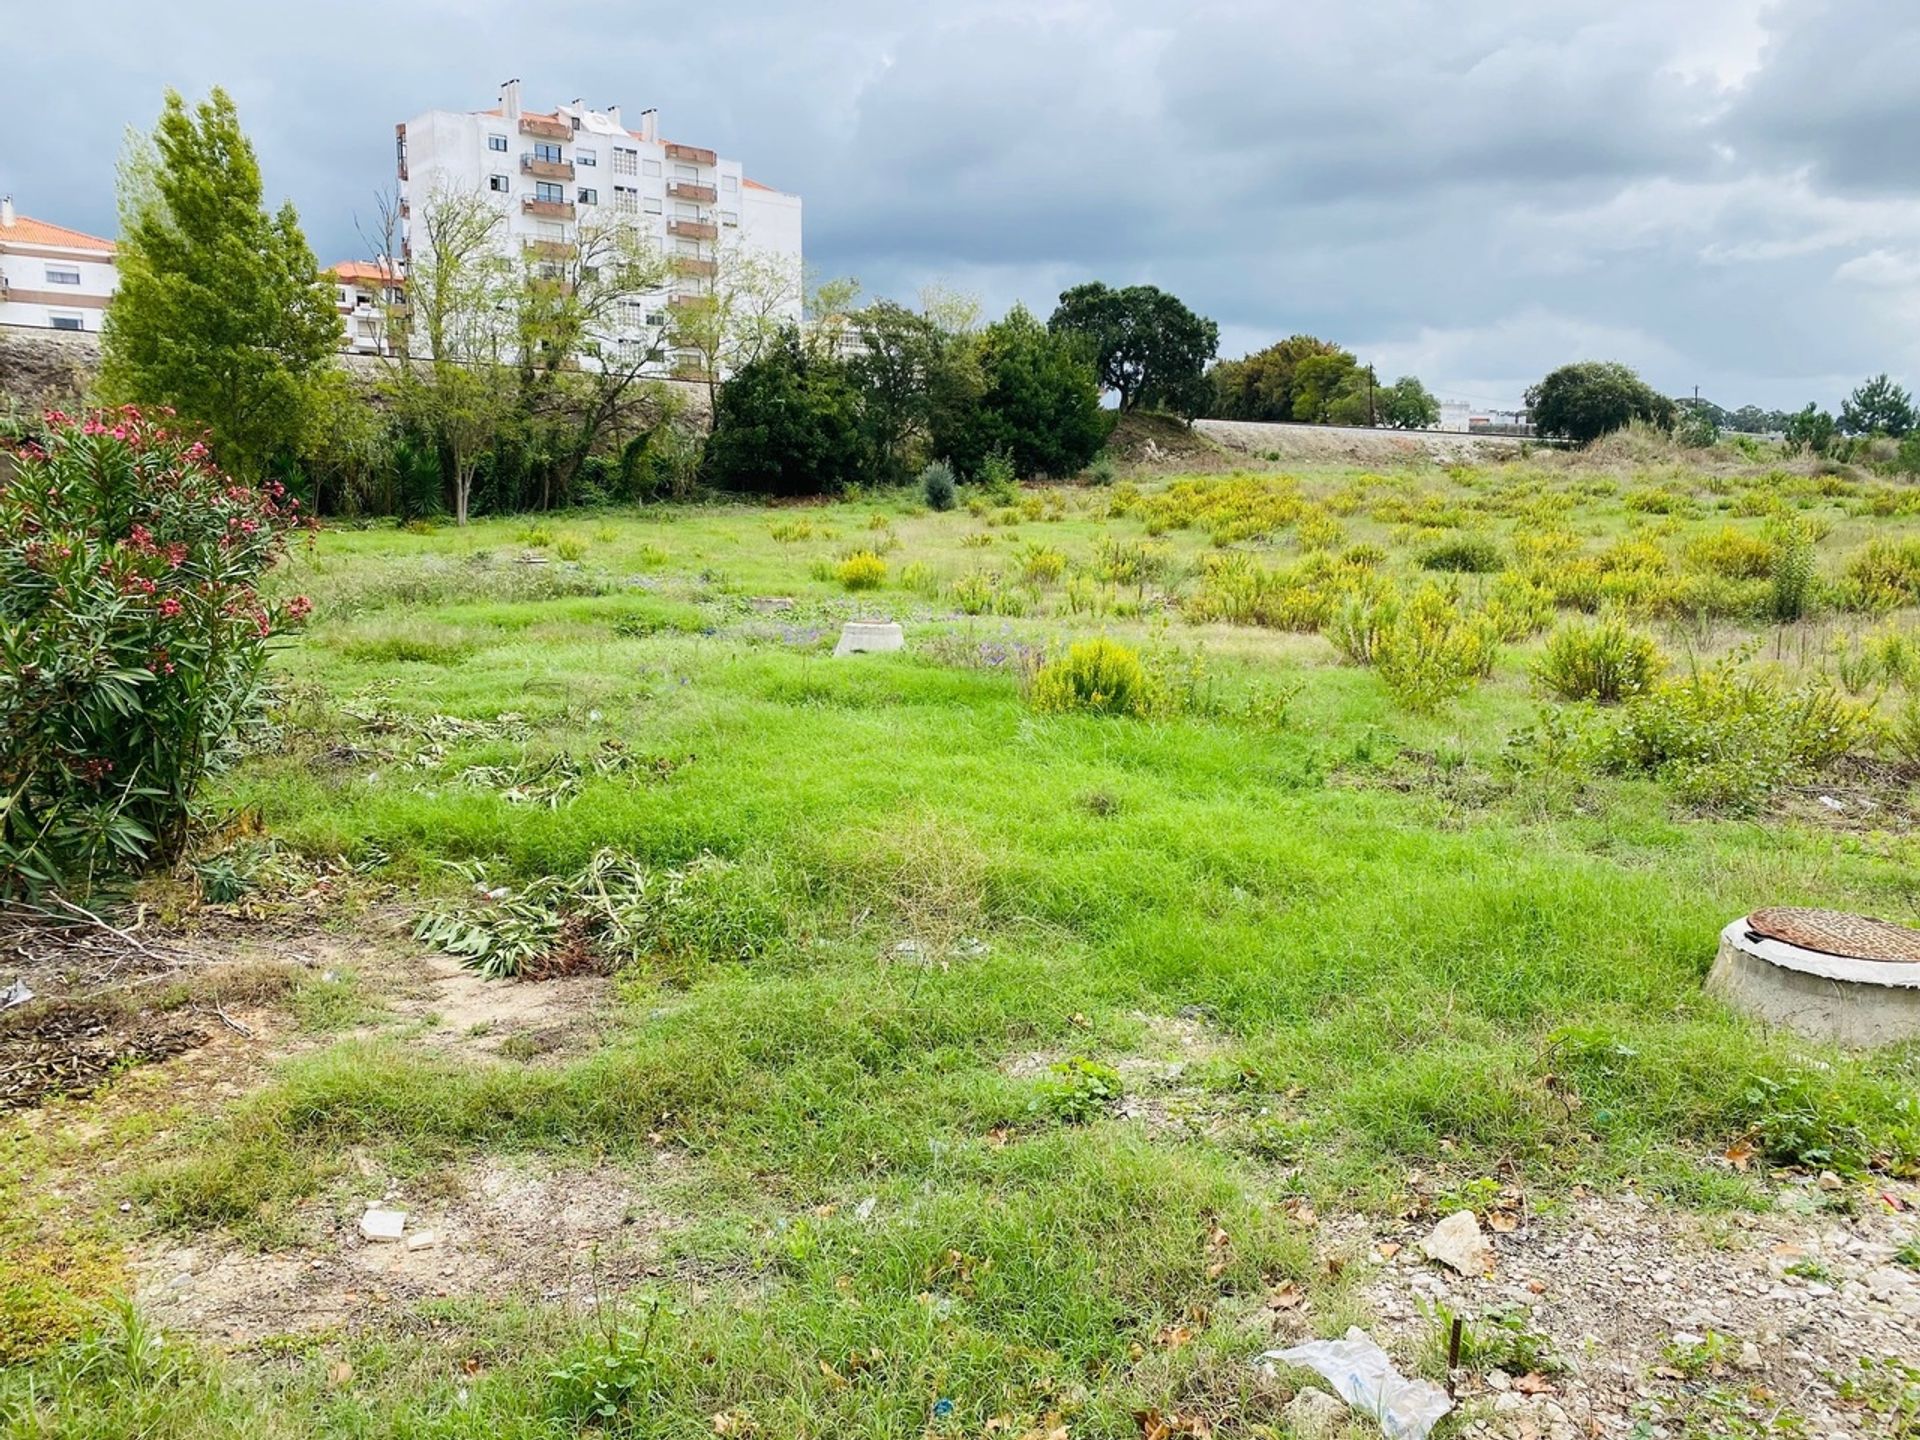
x=39 y=232
x=359 y=270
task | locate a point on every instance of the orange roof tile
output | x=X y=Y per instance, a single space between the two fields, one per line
x=359 y=270
x=39 y=232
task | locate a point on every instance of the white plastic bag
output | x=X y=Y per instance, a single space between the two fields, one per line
x=1363 y=1376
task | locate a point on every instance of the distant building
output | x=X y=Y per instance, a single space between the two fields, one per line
x=552 y=171
x=1501 y=422
x=364 y=293
x=52 y=278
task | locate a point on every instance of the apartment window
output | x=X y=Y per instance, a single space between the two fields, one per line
x=65 y=321
x=686 y=247
x=686 y=172
x=63 y=275
x=366 y=330
x=729 y=217
x=548 y=151
x=497 y=142
x=626 y=199
x=685 y=210
x=626 y=162
x=729 y=182
x=551 y=230
x=584 y=156
x=499 y=184
x=589 y=196
x=656 y=317
x=550 y=190
x=653 y=204
x=649 y=167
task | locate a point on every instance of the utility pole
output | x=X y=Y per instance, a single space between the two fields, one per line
x=1371 y=422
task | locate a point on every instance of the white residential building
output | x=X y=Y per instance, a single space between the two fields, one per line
x=365 y=292
x=52 y=278
x=553 y=171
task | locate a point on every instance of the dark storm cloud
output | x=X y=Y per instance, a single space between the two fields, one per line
x=1723 y=193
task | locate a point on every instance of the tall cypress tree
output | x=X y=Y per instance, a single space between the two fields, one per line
x=221 y=312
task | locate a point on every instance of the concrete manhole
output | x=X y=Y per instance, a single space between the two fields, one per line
x=1846 y=978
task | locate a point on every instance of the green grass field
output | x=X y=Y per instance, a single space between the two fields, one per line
x=1376 y=955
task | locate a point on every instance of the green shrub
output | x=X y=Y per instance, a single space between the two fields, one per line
x=1462 y=555
x=1725 y=737
x=1883 y=574
x=1791 y=569
x=998 y=480
x=1095 y=677
x=1432 y=653
x=1731 y=553
x=1101 y=471
x=862 y=570
x=937 y=485
x=1607 y=661
x=570 y=547
x=132 y=636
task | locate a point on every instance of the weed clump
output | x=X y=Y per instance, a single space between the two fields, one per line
x=862 y=570
x=1095 y=677
x=1608 y=662
x=1462 y=555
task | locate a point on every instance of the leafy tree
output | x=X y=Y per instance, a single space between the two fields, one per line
x=451 y=375
x=1408 y=405
x=1261 y=385
x=787 y=423
x=1588 y=399
x=742 y=309
x=893 y=359
x=1039 y=400
x=1330 y=389
x=1878 y=407
x=1812 y=429
x=1146 y=345
x=221 y=311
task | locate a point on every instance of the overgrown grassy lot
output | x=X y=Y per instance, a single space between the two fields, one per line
x=1004 y=1052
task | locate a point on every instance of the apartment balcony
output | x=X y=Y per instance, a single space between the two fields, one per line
x=687 y=190
x=552 y=249
x=540 y=127
x=547 y=209
x=693 y=229
x=685 y=302
x=692 y=155
x=693 y=265
x=546 y=169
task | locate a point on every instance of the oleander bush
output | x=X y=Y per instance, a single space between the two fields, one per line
x=132 y=636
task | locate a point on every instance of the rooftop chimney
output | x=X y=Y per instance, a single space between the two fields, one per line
x=6 y=212
x=650 y=123
x=613 y=114
x=510 y=99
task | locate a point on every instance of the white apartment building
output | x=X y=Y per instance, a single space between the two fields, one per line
x=364 y=292
x=52 y=278
x=552 y=171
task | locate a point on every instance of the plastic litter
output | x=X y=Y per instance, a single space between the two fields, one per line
x=15 y=994
x=1363 y=1376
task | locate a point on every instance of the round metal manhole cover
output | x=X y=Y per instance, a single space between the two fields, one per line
x=1834 y=932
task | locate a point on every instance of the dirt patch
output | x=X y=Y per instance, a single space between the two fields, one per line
x=72 y=1047
x=1339 y=444
x=1662 y=1316
x=1153 y=444
x=498 y=1231
x=503 y=1019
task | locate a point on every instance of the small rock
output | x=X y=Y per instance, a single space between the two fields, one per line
x=1750 y=1357
x=381 y=1224
x=1314 y=1415
x=422 y=1240
x=1457 y=1242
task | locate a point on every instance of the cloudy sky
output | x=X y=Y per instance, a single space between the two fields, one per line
x=1723 y=193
